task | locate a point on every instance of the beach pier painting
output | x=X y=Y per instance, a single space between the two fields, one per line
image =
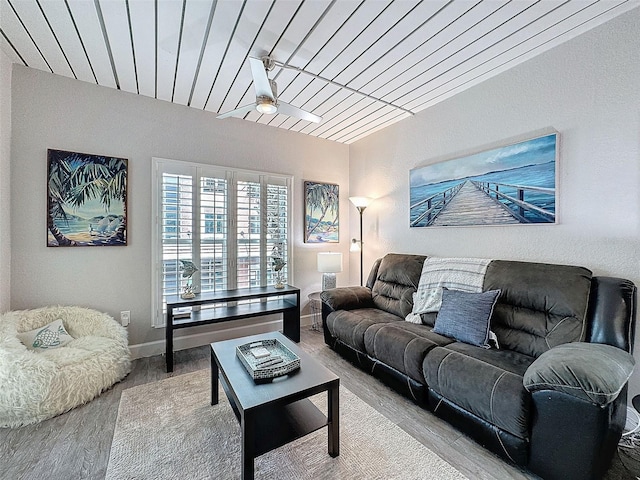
x=86 y=200
x=510 y=185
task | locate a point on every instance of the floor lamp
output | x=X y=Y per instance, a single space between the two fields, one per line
x=360 y=203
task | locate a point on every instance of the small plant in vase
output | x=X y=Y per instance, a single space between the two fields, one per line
x=278 y=263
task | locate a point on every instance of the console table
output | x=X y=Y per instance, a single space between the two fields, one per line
x=272 y=300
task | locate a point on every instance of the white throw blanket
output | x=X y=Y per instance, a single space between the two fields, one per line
x=466 y=274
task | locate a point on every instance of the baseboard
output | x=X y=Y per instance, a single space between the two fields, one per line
x=149 y=349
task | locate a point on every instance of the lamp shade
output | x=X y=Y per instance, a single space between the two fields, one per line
x=329 y=262
x=360 y=202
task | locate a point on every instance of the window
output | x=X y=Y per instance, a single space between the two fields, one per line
x=211 y=185
x=225 y=221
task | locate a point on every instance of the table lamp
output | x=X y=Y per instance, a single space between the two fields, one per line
x=329 y=263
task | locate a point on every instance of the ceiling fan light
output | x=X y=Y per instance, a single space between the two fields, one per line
x=266 y=107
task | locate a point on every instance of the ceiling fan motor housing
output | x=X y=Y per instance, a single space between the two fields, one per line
x=266 y=105
x=268 y=63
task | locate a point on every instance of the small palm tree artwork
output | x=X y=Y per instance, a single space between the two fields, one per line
x=188 y=268
x=278 y=263
x=321 y=213
x=86 y=200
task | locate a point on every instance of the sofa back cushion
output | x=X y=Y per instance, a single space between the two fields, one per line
x=396 y=281
x=540 y=306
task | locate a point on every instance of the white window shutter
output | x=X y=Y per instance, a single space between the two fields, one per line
x=226 y=221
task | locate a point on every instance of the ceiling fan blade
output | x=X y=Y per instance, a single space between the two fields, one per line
x=292 y=111
x=260 y=80
x=238 y=111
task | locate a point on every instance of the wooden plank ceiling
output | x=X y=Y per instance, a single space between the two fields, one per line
x=396 y=57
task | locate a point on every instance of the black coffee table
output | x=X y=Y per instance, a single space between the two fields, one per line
x=273 y=414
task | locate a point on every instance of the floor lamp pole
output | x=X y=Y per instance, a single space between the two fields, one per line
x=361 y=209
x=360 y=203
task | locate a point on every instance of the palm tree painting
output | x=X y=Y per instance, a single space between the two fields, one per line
x=86 y=200
x=321 y=213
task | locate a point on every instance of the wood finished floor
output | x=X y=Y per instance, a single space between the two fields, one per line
x=76 y=445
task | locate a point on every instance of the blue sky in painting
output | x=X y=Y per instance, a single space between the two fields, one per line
x=531 y=152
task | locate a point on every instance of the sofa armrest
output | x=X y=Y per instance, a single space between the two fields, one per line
x=588 y=371
x=347 y=298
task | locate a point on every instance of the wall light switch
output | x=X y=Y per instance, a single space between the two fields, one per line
x=125 y=317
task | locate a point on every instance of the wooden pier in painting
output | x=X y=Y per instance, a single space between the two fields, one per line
x=471 y=206
x=477 y=203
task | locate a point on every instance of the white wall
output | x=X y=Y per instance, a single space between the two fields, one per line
x=5 y=184
x=51 y=111
x=588 y=90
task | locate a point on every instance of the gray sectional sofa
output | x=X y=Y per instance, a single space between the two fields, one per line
x=550 y=398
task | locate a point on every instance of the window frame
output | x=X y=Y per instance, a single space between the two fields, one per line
x=197 y=171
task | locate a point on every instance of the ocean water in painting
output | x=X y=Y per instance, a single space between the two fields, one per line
x=527 y=164
x=326 y=231
x=97 y=230
x=86 y=204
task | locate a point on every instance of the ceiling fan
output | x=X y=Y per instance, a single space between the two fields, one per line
x=267 y=95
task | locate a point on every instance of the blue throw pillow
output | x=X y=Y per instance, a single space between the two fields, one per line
x=466 y=316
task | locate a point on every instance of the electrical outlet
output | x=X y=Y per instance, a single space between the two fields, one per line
x=125 y=317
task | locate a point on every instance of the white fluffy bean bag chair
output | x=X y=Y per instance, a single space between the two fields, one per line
x=38 y=385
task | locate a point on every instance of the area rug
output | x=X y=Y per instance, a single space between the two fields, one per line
x=169 y=429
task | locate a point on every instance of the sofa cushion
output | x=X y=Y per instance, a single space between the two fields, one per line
x=541 y=306
x=589 y=371
x=429 y=319
x=487 y=383
x=396 y=282
x=466 y=316
x=349 y=326
x=402 y=345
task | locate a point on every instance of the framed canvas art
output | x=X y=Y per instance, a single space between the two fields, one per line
x=510 y=185
x=321 y=220
x=86 y=200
